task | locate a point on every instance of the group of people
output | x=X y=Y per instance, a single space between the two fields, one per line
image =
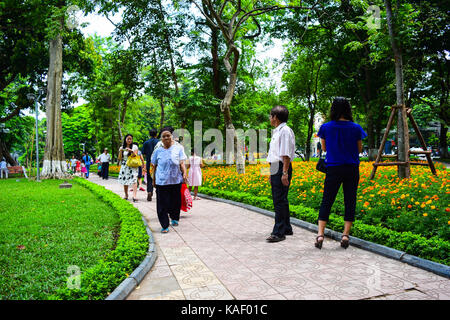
x=81 y=167
x=341 y=139
x=167 y=160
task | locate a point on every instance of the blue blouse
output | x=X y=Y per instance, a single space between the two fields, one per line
x=168 y=162
x=341 y=142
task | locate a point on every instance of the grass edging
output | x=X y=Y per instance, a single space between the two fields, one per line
x=434 y=251
x=131 y=249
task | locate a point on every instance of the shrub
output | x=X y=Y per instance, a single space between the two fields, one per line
x=131 y=248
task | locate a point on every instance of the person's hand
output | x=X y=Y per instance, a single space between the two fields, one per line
x=285 y=180
x=184 y=178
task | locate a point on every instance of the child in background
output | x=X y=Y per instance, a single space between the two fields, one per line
x=78 y=167
x=83 y=170
x=195 y=173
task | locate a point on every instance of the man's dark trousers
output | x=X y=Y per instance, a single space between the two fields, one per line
x=280 y=202
x=105 y=170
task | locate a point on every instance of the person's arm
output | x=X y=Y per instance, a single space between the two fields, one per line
x=285 y=176
x=360 y=146
x=324 y=146
x=183 y=170
x=119 y=158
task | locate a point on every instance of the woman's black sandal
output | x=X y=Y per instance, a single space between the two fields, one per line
x=345 y=243
x=318 y=243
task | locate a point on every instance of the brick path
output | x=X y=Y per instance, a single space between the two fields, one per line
x=219 y=251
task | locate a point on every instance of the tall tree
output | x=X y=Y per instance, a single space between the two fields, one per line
x=234 y=19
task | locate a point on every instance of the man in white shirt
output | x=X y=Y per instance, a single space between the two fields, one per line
x=104 y=159
x=280 y=157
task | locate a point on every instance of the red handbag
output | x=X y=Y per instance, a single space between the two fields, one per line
x=186 y=199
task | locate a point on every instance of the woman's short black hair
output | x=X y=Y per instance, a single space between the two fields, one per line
x=125 y=140
x=281 y=112
x=168 y=128
x=341 y=108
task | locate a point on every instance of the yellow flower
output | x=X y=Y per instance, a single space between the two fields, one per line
x=433 y=207
x=425 y=214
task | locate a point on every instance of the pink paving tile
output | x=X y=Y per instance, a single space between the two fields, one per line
x=288 y=283
x=250 y=289
x=269 y=271
x=312 y=293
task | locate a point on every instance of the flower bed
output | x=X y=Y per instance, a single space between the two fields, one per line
x=415 y=211
x=131 y=248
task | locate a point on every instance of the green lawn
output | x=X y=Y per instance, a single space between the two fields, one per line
x=44 y=230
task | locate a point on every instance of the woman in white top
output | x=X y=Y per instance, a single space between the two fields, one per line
x=195 y=173
x=127 y=175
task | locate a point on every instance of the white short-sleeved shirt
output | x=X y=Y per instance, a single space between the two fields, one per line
x=281 y=144
x=104 y=157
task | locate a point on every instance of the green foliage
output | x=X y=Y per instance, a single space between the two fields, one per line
x=131 y=248
x=44 y=230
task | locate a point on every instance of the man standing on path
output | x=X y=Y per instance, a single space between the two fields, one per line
x=104 y=159
x=281 y=154
x=147 y=150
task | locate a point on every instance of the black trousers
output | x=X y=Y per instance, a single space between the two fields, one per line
x=348 y=176
x=105 y=170
x=149 y=177
x=168 y=203
x=280 y=201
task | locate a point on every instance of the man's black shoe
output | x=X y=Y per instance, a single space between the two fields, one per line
x=289 y=233
x=274 y=238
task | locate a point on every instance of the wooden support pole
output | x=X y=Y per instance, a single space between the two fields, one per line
x=383 y=142
x=422 y=142
x=387 y=164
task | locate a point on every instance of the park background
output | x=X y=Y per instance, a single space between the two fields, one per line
x=169 y=63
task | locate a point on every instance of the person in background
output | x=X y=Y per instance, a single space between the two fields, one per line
x=140 y=170
x=3 y=169
x=281 y=154
x=147 y=151
x=195 y=173
x=128 y=175
x=83 y=170
x=342 y=141
x=169 y=173
x=73 y=164
x=87 y=160
x=104 y=160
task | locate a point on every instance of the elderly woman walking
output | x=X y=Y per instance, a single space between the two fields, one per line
x=341 y=139
x=170 y=172
x=128 y=175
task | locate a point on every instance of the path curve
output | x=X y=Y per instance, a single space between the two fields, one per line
x=219 y=252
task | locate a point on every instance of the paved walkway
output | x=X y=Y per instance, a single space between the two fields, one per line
x=219 y=251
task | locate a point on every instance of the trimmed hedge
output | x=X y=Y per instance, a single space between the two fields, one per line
x=131 y=248
x=433 y=249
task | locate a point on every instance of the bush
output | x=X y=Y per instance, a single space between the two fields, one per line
x=131 y=248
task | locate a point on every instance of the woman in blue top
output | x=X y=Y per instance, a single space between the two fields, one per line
x=170 y=173
x=341 y=139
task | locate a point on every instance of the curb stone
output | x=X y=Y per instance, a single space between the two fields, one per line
x=437 y=268
x=133 y=280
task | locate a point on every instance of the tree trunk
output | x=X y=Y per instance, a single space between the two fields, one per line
x=4 y=153
x=54 y=161
x=402 y=125
x=443 y=142
x=161 y=123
